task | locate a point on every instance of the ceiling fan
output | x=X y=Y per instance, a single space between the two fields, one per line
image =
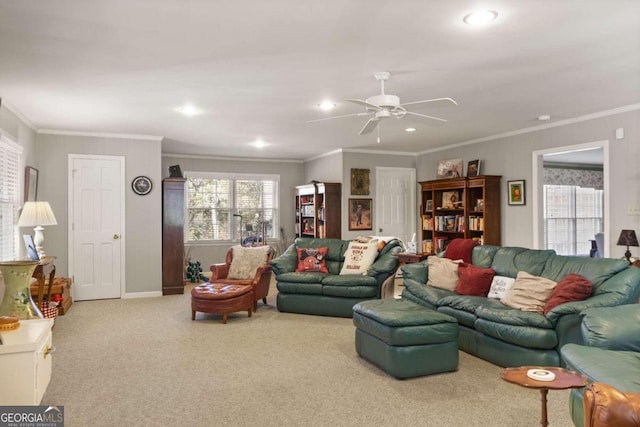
x=384 y=106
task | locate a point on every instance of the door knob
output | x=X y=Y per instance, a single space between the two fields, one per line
x=380 y=230
x=116 y=237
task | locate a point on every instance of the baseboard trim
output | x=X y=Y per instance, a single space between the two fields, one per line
x=152 y=294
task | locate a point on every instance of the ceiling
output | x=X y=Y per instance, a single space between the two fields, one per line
x=258 y=69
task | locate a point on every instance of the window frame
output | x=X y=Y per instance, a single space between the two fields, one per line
x=233 y=223
x=14 y=150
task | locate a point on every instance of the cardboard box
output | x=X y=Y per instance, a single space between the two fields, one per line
x=62 y=286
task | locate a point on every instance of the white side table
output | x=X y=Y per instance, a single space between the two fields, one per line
x=25 y=362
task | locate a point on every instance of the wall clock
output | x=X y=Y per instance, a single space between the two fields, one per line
x=141 y=185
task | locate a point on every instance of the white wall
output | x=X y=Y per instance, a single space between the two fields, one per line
x=511 y=157
x=143 y=228
x=290 y=172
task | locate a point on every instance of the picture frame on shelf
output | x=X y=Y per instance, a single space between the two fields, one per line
x=30 y=184
x=359 y=182
x=428 y=205
x=451 y=200
x=360 y=211
x=516 y=189
x=479 y=205
x=451 y=168
x=473 y=168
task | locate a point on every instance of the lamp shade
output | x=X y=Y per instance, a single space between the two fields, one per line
x=627 y=238
x=36 y=213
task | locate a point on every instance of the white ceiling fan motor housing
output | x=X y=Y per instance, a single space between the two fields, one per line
x=386 y=101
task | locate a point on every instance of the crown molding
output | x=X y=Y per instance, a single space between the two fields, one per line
x=100 y=134
x=237 y=159
x=390 y=152
x=319 y=156
x=565 y=122
x=21 y=116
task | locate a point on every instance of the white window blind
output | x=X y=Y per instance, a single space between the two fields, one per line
x=572 y=217
x=9 y=199
x=231 y=207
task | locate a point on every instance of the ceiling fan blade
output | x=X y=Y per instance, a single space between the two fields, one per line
x=364 y=103
x=370 y=126
x=424 y=101
x=339 y=117
x=426 y=117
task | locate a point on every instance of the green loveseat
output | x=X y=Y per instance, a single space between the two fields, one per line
x=509 y=337
x=331 y=294
x=611 y=354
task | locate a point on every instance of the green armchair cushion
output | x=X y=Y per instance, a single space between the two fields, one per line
x=612 y=328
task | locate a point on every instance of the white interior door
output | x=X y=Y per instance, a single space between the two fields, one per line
x=396 y=202
x=95 y=226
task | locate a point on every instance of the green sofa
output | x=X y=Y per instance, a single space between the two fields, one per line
x=611 y=354
x=331 y=294
x=510 y=337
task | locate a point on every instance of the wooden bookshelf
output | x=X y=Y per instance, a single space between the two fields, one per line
x=318 y=210
x=466 y=208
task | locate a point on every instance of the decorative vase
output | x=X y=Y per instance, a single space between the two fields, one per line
x=17 y=299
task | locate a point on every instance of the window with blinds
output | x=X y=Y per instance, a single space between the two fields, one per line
x=572 y=217
x=231 y=207
x=9 y=198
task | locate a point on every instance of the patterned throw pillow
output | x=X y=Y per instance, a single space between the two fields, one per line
x=246 y=261
x=443 y=272
x=499 y=286
x=359 y=257
x=312 y=260
x=529 y=293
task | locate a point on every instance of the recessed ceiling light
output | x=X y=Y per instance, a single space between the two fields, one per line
x=480 y=17
x=327 y=105
x=259 y=143
x=410 y=129
x=188 y=110
x=544 y=117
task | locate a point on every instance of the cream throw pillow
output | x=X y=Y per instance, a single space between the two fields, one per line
x=359 y=257
x=529 y=293
x=443 y=272
x=246 y=261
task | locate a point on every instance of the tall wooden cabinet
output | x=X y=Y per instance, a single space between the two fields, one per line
x=460 y=207
x=173 y=223
x=318 y=210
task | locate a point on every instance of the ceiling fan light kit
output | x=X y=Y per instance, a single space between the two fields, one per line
x=384 y=105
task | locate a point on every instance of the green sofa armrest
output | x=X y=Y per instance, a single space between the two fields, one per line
x=612 y=328
x=387 y=261
x=418 y=271
x=287 y=262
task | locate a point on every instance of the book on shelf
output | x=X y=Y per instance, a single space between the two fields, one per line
x=427 y=246
x=440 y=243
x=427 y=222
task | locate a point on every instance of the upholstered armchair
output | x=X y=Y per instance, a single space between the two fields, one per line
x=606 y=406
x=246 y=266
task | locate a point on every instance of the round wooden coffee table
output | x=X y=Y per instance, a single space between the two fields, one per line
x=564 y=379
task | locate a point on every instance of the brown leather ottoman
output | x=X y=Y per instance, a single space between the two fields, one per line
x=222 y=299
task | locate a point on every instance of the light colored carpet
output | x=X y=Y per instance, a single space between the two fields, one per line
x=144 y=362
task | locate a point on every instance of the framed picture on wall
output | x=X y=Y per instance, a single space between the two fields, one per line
x=30 y=184
x=360 y=214
x=360 y=182
x=516 y=192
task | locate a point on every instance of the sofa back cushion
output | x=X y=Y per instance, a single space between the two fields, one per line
x=335 y=251
x=508 y=261
x=482 y=255
x=612 y=328
x=597 y=270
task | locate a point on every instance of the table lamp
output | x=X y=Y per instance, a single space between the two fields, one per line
x=627 y=238
x=37 y=214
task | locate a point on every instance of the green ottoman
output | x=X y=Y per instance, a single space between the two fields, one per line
x=405 y=339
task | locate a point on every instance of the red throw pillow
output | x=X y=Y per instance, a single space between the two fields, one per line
x=312 y=259
x=475 y=281
x=571 y=287
x=460 y=249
